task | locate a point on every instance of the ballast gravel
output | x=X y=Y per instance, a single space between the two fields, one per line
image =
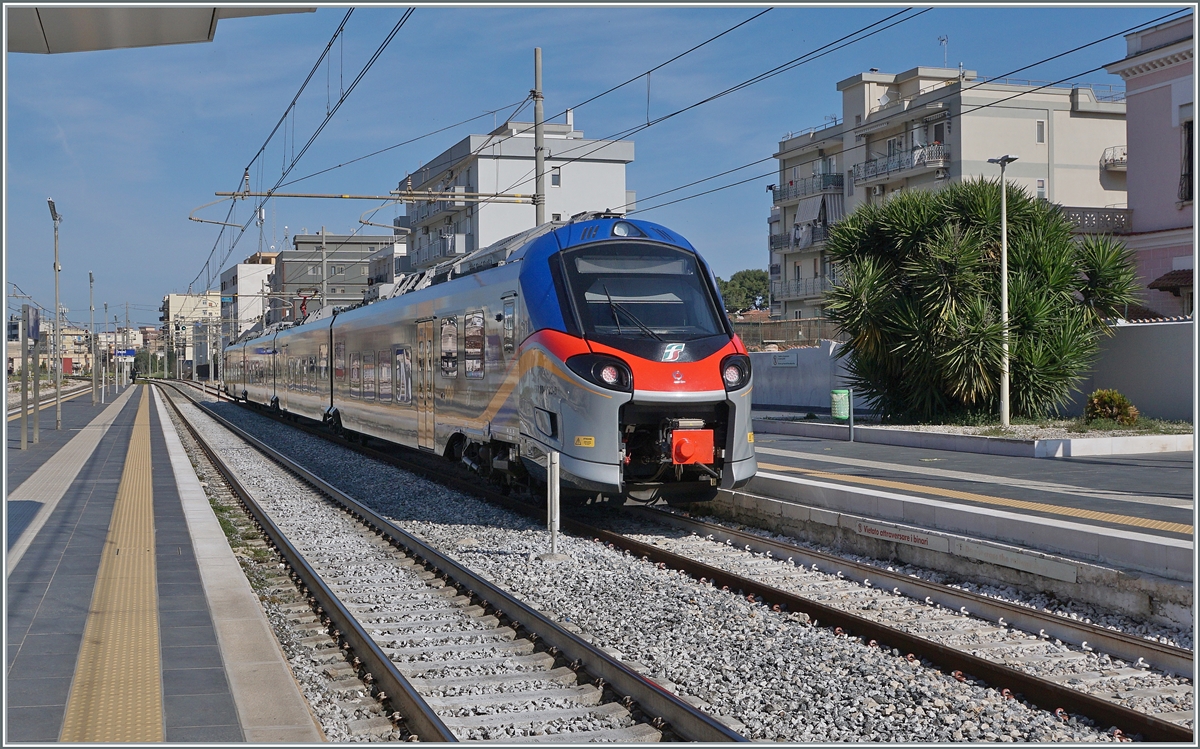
x=780 y=678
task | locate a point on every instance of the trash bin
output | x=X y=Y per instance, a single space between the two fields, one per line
x=839 y=405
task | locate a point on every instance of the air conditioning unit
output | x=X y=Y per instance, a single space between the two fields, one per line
x=877 y=190
x=941 y=174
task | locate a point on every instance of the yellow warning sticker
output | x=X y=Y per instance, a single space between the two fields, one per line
x=585 y=442
x=749 y=436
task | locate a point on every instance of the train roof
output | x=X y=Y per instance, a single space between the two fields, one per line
x=537 y=243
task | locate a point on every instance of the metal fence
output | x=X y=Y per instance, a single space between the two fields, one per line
x=787 y=333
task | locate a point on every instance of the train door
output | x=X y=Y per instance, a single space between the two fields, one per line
x=424 y=384
x=289 y=365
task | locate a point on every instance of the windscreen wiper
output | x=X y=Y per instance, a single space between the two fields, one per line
x=617 y=307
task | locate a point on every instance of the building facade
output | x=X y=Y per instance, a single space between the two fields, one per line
x=244 y=290
x=929 y=127
x=186 y=318
x=1158 y=74
x=341 y=260
x=583 y=175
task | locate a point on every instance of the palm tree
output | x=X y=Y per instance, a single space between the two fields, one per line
x=919 y=300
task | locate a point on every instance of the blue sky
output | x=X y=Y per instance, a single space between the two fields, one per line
x=129 y=142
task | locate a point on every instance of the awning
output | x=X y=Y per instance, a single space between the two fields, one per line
x=835 y=208
x=1172 y=281
x=809 y=209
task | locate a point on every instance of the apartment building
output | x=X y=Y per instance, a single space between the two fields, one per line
x=925 y=128
x=583 y=175
x=183 y=316
x=244 y=290
x=342 y=260
x=1158 y=74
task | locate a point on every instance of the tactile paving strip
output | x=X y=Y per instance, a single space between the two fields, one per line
x=117 y=692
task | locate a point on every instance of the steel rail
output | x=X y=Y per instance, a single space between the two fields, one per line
x=395 y=689
x=1041 y=692
x=1169 y=658
x=684 y=719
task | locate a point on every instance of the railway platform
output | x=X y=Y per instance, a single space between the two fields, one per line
x=129 y=619
x=1131 y=512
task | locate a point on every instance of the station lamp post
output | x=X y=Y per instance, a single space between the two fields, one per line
x=57 y=323
x=1003 y=161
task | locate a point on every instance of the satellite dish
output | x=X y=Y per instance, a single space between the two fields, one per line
x=883 y=100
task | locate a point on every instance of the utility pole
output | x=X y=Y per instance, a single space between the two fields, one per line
x=1004 y=161
x=92 y=314
x=104 y=364
x=25 y=377
x=324 y=272
x=57 y=343
x=118 y=380
x=539 y=149
x=127 y=339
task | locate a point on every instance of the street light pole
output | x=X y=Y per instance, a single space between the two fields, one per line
x=54 y=215
x=92 y=314
x=1003 y=161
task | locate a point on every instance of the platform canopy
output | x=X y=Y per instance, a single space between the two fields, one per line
x=53 y=29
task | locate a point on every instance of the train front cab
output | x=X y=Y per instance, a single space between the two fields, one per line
x=639 y=383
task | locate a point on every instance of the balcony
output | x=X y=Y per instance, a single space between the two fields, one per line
x=422 y=211
x=803 y=288
x=1098 y=220
x=818 y=233
x=1114 y=159
x=923 y=158
x=800 y=188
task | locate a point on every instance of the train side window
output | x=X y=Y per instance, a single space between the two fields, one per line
x=473 y=344
x=323 y=361
x=449 y=346
x=510 y=308
x=368 y=375
x=339 y=360
x=384 y=375
x=355 y=375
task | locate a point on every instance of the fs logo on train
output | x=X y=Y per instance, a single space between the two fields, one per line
x=673 y=351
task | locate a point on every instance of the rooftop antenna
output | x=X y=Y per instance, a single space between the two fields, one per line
x=945 y=42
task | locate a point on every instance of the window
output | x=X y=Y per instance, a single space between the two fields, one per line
x=509 y=310
x=939 y=132
x=1041 y=189
x=1185 y=172
x=1041 y=131
x=893 y=146
x=355 y=375
x=814 y=267
x=556 y=177
x=339 y=360
x=384 y=375
x=556 y=217
x=403 y=376
x=473 y=336
x=449 y=347
x=323 y=361
x=314 y=270
x=368 y=372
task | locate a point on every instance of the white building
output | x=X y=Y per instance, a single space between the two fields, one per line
x=928 y=127
x=187 y=320
x=583 y=175
x=244 y=290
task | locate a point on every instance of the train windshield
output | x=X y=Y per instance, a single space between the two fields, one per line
x=637 y=290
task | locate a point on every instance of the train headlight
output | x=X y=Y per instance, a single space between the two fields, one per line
x=626 y=229
x=606 y=371
x=735 y=371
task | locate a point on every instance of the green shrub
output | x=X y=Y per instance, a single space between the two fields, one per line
x=1109 y=404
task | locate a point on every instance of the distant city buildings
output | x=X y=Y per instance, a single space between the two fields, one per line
x=1158 y=73
x=244 y=290
x=335 y=263
x=187 y=320
x=582 y=175
x=925 y=128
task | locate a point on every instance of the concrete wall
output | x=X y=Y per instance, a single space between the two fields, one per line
x=805 y=385
x=1151 y=364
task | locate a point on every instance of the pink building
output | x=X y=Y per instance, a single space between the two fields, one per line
x=1160 y=179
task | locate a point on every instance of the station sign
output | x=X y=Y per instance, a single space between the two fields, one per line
x=129 y=352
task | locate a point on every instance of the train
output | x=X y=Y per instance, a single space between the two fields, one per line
x=602 y=338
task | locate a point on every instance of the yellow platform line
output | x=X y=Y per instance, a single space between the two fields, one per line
x=49 y=404
x=1075 y=512
x=116 y=695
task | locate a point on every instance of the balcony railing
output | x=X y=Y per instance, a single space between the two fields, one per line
x=1098 y=220
x=924 y=157
x=814 y=184
x=787 y=333
x=1114 y=159
x=802 y=288
x=790 y=241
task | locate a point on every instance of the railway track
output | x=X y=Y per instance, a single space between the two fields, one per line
x=1014 y=648
x=450 y=653
x=45 y=401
